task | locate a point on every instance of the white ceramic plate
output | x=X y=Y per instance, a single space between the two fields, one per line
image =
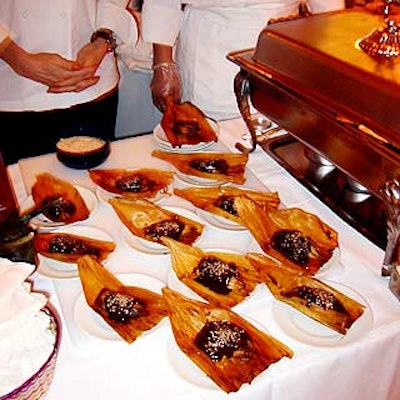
x=93 y=324
x=333 y=268
x=186 y=368
x=191 y=373
x=219 y=222
x=306 y=330
x=176 y=284
x=149 y=247
x=43 y=223
x=162 y=141
x=103 y=195
x=198 y=181
x=135 y=243
x=186 y=149
x=62 y=270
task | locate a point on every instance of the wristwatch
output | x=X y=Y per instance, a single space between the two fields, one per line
x=108 y=35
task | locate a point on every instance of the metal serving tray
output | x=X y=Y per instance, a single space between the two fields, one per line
x=309 y=76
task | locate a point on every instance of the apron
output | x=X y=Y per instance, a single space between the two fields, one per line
x=207 y=36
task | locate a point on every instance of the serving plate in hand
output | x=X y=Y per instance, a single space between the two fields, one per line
x=162 y=141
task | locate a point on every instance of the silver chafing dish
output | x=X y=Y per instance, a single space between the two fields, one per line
x=340 y=107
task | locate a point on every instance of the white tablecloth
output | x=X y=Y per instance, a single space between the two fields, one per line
x=152 y=368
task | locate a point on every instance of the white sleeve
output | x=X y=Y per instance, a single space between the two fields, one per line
x=319 y=6
x=161 y=21
x=114 y=15
x=4 y=33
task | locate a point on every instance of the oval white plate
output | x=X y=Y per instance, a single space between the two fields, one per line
x=93 y=324
x=133 y=242
x=62 y=270
x=333 y=268
x=43 y=223
x=186 y=368
x=186 y=149
x=191 y=373
x=198 y=181
x=162 y=141
x=219 y=222
x=149 y=247
x=176 y=284
x=103 y=195
x=306 y=330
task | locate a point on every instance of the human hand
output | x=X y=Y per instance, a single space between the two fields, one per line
x=48 y=68
x=165 y=85
x=89 y=58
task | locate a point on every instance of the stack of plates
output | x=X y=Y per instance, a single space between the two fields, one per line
x=164 y=144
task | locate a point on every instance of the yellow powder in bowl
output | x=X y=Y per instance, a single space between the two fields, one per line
x=80 y=144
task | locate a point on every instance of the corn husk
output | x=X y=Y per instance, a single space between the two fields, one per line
x=48 y=187
x=151 y=181
x=284 y=282
x=263 y=224
x=139 y=214
x=235 y=164
x=188 y=317
x=95 y=279
x=98 y=249
x=209 y=199
x=185 y=260
x=186 y=124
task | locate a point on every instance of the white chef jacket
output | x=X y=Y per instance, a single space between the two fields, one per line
x=208 y=30
x=63 y=27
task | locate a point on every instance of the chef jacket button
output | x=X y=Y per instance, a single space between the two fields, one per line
x=63 y=14
x=25 y=14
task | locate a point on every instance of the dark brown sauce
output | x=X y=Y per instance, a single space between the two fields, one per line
x=135 y=184
x=227 y=203
x=215 y=274
x=318 y=297
x=220 y=339
x=293 y=245
x=68 y=245
x=217 y=166
x=123 y=307
x=171 y=228
x=60 y=211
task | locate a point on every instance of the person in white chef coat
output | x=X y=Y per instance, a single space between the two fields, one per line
x=192 y=38
x=58 y=71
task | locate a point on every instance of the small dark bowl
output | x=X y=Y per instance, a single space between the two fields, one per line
x=82 y=152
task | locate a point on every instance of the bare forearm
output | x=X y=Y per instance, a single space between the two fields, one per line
x=13 y=55
x=46 y=68
x=162 y=54
x=4 y=44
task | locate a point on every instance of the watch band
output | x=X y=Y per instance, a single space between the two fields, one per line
x=108 y=35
